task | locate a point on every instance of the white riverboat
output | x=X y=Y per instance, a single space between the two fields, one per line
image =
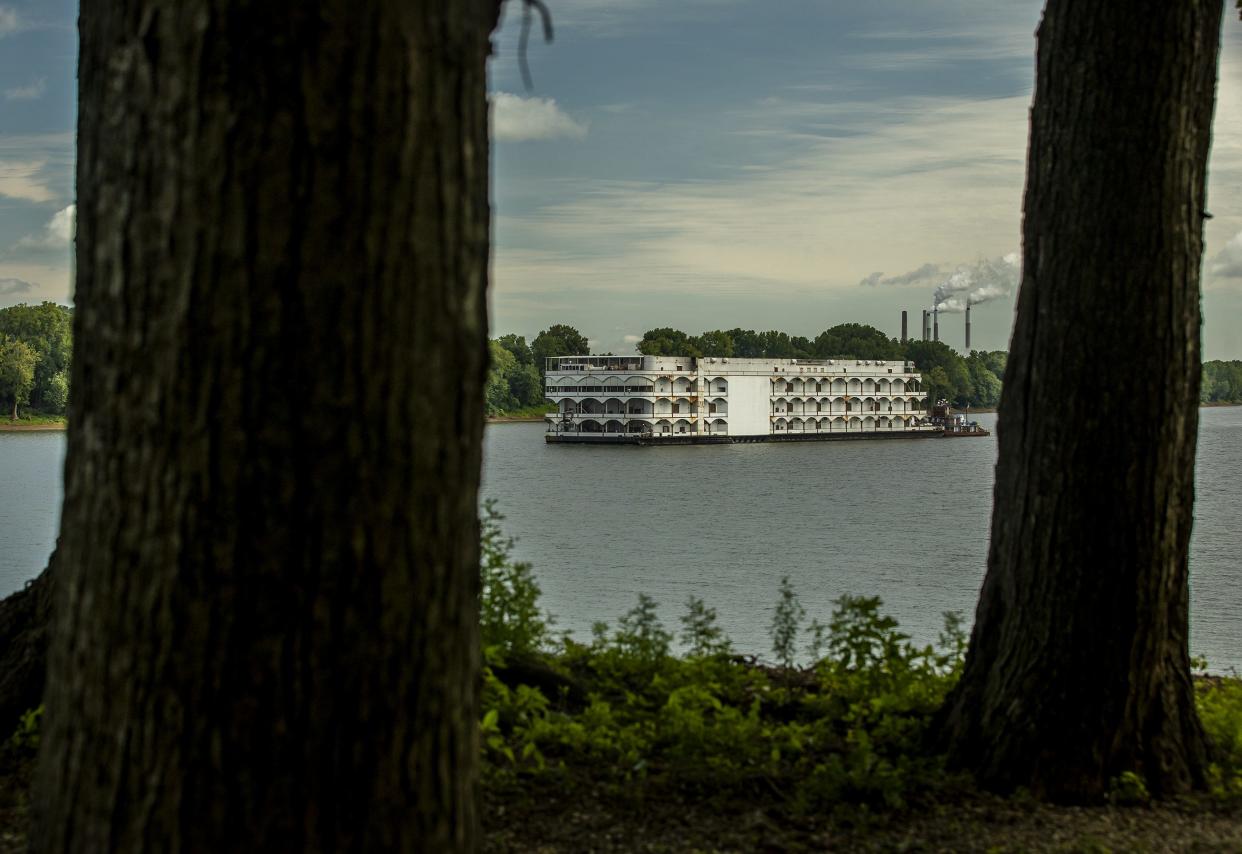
x=688 y=400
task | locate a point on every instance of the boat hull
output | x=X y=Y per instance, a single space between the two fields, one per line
x=689 y=439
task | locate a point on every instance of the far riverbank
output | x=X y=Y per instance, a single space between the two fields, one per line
x=32 y=426
x=61 y=424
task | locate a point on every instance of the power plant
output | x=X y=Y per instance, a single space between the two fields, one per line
x=931 y=326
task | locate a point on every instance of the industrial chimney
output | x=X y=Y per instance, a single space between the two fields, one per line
x=903 y=327
x=968 y=328
x=936 y=323
x=926 y=326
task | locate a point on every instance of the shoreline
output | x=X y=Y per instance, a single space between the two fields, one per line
x=7 y=426
x=514 y=419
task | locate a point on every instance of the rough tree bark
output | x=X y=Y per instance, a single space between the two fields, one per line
x=1078 y=667
x=266 y=638
x=24 y=621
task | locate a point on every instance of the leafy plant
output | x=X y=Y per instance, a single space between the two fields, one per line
x=510 y=620
x=1128 y=789
x=640 y=634
x=25 y=739
x=1220 y=709
x=700 y=633
x=787 y=617
x=818 y=643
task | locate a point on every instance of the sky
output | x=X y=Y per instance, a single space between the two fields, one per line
x=706 y=164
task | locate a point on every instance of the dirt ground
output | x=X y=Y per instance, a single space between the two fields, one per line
x=551 y=819
x=580 y=819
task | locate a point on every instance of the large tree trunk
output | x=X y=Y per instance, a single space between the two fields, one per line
x=266 y=638
x=1078 y=667
x=24 y=619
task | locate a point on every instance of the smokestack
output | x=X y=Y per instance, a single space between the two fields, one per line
x=936 y=323
x=924 y=330
x=903 y=327
x=968 y=328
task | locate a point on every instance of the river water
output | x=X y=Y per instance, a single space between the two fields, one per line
x=906 y=520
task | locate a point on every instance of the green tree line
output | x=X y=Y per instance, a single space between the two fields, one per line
x=515 y=372
x=515 y=382
x=36 y=342
x=1222 y=382
x=972 y=380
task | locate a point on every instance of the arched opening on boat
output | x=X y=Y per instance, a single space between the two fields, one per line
x=639 y=385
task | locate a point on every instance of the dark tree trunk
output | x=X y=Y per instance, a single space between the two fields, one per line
x=24 y=618
x=266 y=634
x=1078 y=667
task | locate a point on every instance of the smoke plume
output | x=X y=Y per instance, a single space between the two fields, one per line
x=983 y=281
x=927 y=271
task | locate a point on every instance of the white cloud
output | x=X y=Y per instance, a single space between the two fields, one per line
x=57 y=233
x=891 y=185
x=619 y=17
x=517 y=119
x=631 y=339
x=9 y=22
x=22 y=179
x=30 y=92
x=1227 y=264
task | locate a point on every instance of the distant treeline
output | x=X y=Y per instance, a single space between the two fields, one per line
x=515 y=379
x=36 y=342
x=515 y=376
x=973 y=380
x=1222 y=382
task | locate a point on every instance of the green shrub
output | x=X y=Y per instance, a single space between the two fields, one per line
x=640 y=636
x=25 y=739
x=1220 y=710
x=854 y=733
x=510 y=621
x=1128 y=789
x=787 y=618
x=700 y=633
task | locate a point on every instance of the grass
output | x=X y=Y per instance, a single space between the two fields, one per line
x=535 y=412
x=31 y=418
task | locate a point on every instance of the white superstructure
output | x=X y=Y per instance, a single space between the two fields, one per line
x=675 y=397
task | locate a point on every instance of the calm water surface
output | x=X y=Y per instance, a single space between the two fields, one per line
x=30 y=471
x=906 y=520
